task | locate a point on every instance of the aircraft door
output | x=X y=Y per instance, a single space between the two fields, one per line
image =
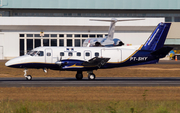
x=48 y=55
x=87 y=55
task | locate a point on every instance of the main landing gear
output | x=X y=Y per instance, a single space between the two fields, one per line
x=91 y=75
x=79 y=75
x=28 y=77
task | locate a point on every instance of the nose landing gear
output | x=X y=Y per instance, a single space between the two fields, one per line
x=28 y=77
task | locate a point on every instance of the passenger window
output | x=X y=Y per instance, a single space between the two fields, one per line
x=70 y=54
x=48 y=54
x=61 y=53
x=87 y=54
x=96 y=54
x=40 y=53
x=78 y=54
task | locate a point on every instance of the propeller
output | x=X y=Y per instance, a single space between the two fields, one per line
x=58 y=62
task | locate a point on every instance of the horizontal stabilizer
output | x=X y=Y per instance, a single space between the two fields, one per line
x=96 y=62
x=162 y=52
x=115 y=20
x=112 y=25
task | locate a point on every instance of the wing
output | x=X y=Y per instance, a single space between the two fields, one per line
x=96 y=62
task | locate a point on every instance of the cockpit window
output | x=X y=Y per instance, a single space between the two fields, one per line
x=40 y=53
x=32 y=53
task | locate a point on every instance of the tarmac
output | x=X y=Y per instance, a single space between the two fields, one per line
x=99 y=81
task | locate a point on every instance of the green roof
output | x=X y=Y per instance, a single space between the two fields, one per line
x=92 y=4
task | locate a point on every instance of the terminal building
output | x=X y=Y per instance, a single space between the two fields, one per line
x=26 y=24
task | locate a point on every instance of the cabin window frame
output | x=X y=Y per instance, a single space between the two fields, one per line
x=78 y=53
x=96 y=53
x=48 y=54
x=70 y=53
x=87 y=53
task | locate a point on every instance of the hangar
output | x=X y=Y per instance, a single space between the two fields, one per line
x=26 y=24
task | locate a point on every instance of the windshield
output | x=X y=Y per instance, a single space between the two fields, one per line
x=32 y=53
x=36 y=53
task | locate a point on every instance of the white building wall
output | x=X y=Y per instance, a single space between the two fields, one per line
x=11 y=44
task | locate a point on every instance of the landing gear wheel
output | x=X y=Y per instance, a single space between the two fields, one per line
x=29 y=77
x=79 y=76
x=91 y=76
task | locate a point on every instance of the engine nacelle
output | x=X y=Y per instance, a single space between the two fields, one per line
x=95 y=42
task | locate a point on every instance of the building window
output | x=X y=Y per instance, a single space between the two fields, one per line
x=46 y=35
x=77 y=43
x=84 y=35
x=29 y=35
x=53 y=42
x=77 y=35
x=92 y=36
x=69 y=42
x=45 y=42
x=37 y=35
x=21 y=47
x=53 y=35
x=61 y=42
x=29 y=44
x=177 y=19
x=37 y=43
x=61 y=35
x=99 y=36
x=69 y=35
x=168 y=19
x=21 y=35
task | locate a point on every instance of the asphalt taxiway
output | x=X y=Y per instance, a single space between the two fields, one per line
x=100 y=81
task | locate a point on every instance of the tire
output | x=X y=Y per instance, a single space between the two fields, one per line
x=29 y=77
x=79 y=76
x=91 y=76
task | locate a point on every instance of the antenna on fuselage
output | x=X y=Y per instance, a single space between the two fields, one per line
x=112 y=25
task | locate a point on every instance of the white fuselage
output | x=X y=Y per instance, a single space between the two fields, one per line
x=52 y=54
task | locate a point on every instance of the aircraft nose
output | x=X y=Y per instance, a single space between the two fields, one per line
x=8 y=63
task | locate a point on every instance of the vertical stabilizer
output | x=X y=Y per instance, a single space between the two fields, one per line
x=111 y=29
x=157 y=38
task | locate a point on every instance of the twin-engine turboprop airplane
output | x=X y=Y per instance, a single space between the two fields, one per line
x=92 y=58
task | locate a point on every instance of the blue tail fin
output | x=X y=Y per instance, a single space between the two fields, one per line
x=157 y=38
